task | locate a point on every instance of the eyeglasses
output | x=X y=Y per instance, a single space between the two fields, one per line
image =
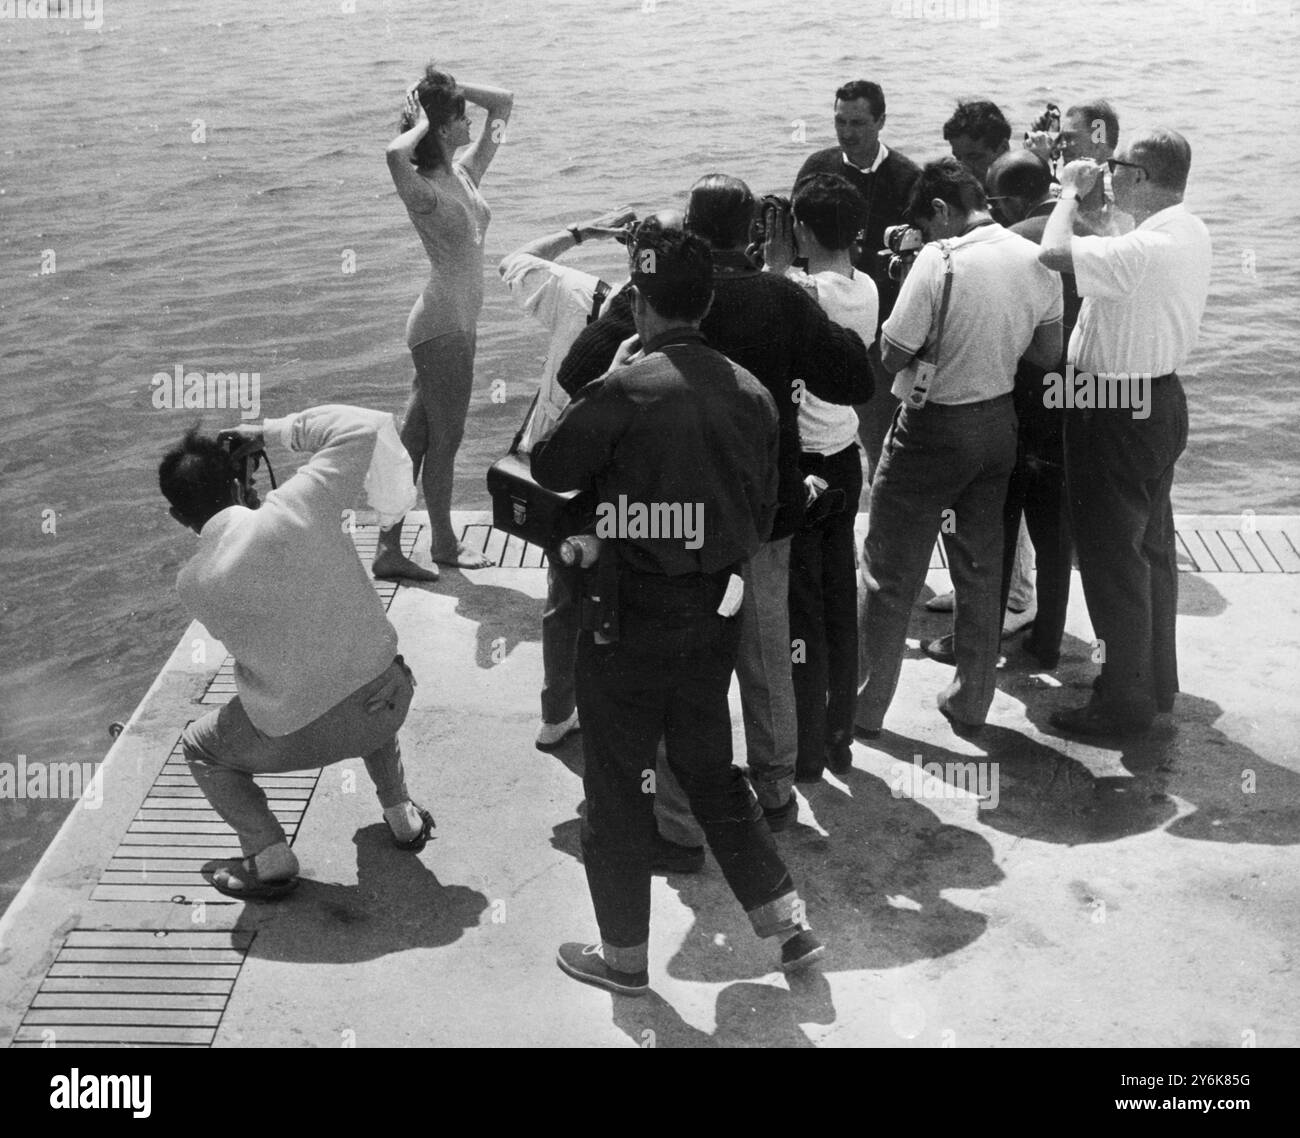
x=1111 y=163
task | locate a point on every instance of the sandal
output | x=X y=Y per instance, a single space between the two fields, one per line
x=417 y=843
x=240 y=879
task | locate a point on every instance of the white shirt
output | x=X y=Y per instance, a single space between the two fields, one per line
x=560 y=299
x=1000 y=295
x=282 y=587
x=1143 y=295
x=828 y=428
x=881 y=154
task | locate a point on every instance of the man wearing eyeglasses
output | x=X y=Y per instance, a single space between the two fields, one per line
x=1143 y=297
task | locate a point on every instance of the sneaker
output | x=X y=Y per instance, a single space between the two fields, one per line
x=800 y=951
x=779 y=817
x=551 y=735
x=585 y=964
x=669 y=857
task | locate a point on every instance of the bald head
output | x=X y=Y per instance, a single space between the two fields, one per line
x=1165 y=155
x=1017 y=181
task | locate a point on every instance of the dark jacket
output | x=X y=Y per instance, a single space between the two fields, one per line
x=771 y=328
x=887 y=192
x=683 y=426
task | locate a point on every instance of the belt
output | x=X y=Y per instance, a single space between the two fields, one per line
x=944 y=409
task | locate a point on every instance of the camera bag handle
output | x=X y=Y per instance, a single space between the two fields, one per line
x=598 y=296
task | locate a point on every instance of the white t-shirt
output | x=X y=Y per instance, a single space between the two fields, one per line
x=560 y=299
x=1000 y=295
x=827 y=428
x=1143 y=295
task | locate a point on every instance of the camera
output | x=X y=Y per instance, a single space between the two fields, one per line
x=902 y=244
x=247 y=455
x=769 y=203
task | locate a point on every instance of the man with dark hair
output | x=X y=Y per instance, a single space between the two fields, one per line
x=977 y=133
x=772 y=328
x=1020 y=193
x=674 y=424
x=980 y=292
x=825 y=215
x=1143 y=297
x=316 y=662
x=884 y=177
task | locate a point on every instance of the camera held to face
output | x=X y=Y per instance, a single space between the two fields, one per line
x=902 y=244
x=247 y=455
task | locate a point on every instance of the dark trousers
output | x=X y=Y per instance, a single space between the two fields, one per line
x=823 y=616
x=668 y=677
x=559 y=640
x=943 y=468
x=1037 y=490
x=1119 y=473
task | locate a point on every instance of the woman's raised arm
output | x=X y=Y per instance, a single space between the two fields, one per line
x=414 y=190
x=498 y=103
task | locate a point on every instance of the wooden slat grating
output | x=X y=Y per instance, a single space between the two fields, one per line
x=175 y=833
x=123 y=987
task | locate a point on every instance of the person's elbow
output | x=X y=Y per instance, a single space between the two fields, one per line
x=893 y=358
x=1057 y=258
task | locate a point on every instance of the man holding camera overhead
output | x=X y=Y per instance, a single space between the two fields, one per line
x=974 y=302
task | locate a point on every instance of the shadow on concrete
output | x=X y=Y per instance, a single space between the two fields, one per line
x=503 y=617
x=396 y=904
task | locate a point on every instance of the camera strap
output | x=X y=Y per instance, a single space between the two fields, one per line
x=946 y=253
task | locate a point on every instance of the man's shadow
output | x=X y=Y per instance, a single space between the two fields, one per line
x=397 y=904
x=503 y=618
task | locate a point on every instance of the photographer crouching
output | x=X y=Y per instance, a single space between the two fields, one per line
x=673 y=424
x=281 y=586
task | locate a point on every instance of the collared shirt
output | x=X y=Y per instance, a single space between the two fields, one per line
x=1000 y=295
x=560 y=298
x=681 y=449
x=882 y=152
x=1143 y=295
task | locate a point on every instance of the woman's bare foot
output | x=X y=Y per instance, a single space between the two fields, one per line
x=392 y=565
x=463 y=557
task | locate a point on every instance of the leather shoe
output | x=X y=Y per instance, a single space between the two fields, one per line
x=960 y=726
x=939 y=649
x=1093 y=719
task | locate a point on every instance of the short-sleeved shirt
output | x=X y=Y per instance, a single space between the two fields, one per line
x=1143 y=295
x=1000 y=295
x=452 y=235
x=560 y=298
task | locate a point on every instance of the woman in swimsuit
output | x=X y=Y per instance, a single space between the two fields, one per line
x=442 y=199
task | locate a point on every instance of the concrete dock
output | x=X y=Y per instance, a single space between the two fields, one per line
x=1081 y=895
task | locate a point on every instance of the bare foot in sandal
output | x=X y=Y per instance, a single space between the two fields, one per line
x=463 y=557
x=391 y=565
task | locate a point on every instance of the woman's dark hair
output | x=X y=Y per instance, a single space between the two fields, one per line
x=195 y=476
x=949 y=180
x=443 y=101
x=832 y=207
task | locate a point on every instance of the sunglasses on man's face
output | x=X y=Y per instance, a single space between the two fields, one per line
x=1111 y=163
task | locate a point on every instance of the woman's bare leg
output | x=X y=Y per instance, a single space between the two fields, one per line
x=445 y=378
x=390 y=562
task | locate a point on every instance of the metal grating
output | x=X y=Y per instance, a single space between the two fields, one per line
x=134 y=987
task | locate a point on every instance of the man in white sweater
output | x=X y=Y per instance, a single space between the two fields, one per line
x=316 y=661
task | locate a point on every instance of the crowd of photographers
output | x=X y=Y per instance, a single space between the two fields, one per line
x=758 y=352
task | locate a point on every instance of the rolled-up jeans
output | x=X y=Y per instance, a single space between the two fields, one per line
x=943 y=467
x=225 y=750
x=668 y=676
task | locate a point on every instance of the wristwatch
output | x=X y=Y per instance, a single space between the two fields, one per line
x=575 y=233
